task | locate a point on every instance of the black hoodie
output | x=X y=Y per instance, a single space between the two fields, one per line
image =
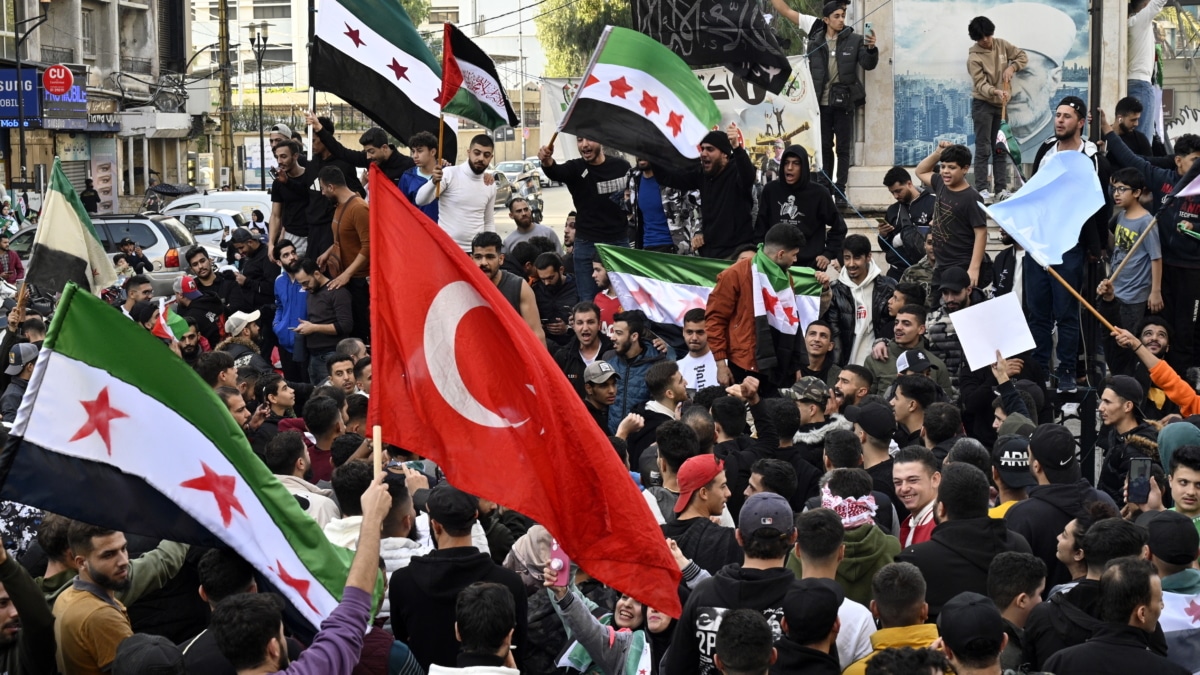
x=423 y=596
x=208 y=311
x=806 y=205
x=795 y=658
x=1042 y=517
x=733 y=587
x=958 y=554
x=705 y=543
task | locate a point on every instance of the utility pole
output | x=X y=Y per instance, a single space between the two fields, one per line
x=521 y=59
x=227 y=154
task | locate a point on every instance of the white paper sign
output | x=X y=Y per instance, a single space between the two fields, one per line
x=995 y=324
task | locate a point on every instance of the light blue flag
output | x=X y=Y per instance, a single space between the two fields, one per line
x=1045 y=217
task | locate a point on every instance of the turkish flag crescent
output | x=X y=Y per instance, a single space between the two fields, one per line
x=461 y=379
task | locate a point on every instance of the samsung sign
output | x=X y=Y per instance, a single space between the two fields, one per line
x=69 y=111
x=28 y=91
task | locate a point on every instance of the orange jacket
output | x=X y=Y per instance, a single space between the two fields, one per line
x=729 y=317
x=1165 y=378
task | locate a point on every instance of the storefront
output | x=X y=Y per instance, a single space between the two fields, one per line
x=15 y=100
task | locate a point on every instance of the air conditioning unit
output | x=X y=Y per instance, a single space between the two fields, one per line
x=225 y=177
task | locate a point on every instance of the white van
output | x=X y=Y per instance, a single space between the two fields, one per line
x=244 y=201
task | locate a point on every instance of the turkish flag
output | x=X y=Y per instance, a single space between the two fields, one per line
x=460 y=379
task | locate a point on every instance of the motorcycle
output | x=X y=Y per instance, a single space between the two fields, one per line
x=532 y=193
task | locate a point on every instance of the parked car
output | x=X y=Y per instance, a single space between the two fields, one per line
x=537 y=165
x=163 y=239
x=504 y=189
x=211 y=226
x=242 y=201
x=518 y=171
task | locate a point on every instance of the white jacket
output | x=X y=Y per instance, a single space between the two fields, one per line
x=864 y=327
x=321 y=506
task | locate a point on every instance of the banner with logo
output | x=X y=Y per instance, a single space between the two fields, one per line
x=769 y=122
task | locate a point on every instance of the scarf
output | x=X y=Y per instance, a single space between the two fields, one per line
x=854 y=511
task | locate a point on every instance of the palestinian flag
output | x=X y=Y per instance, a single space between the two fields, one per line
x=639 y=97
x=121 y=433
x=666 y=286
x=169 y=325
x=65 y=246
x=368 y=53
x=467 y=70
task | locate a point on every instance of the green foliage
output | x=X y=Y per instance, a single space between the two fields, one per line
x=418 y=10
x=569 y=35
x=789 y=33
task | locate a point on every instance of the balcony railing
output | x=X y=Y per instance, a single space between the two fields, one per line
x=137 y=66
x=58 y=55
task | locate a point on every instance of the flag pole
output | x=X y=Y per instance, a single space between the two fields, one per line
x=437 y=159
x=377 y=448
x=1132 y=249
x=1071 y=289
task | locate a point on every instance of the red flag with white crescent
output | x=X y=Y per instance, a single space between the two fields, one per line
x=461 y=379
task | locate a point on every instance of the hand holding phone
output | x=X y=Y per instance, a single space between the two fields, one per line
x=560 y=563
x=1139 y=481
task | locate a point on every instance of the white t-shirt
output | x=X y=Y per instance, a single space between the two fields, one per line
x=1141 y=42
x=854 y=638
x=698 y=371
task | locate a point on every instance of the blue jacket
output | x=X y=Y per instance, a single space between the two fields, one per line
x=631 y=386
x=410 y=182
x=291 y=305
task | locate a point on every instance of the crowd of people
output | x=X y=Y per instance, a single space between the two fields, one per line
x=851 y=498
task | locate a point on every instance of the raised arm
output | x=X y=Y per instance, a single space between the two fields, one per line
x=927 y=166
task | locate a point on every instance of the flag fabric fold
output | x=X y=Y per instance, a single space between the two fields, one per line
x=639 y=97
x=469 y=75
x=121 y=433
x=666 y=286
x=368 y=53
x=1180 y=622
x=463 y=381
x=65 y=245
x=1038 y=217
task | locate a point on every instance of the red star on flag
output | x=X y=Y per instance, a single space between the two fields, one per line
x=100 y=416
x=649 y=103
x=399 y=70
x=591 y=79
x=352 y=33
x=692 y=303
x=791 y=314
x=222 y=489
x=619 y=87
x=642 y=297
x=770 y=300
x=1193 y=610
x=301 y=586
x=675 y=123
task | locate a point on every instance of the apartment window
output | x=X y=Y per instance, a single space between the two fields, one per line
x=89 y=43
x=278 y=12
x=443 y=15
x=277 y=56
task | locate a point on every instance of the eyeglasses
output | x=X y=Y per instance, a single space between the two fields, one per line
x=1120 y=189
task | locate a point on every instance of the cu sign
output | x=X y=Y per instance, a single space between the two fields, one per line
x=58 y=80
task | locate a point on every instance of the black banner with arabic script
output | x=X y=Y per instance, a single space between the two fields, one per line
x=732 y=33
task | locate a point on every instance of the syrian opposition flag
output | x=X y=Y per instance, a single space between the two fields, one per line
x=121 y=433
x=639 y=97
x=369 y=54
x=1180 y=623
x=436 y=396
x=65 y=245
x=469 y=75
x=665 y=286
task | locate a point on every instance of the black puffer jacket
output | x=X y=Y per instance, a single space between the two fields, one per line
x=1141 y=441
x=852 y=52
x=943 y=339
x=841 y=315
x=571 y=363
x=806 y=205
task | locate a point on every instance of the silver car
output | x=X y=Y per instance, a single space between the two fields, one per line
x=212 y=226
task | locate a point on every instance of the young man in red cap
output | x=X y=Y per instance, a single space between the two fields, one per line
x=703 y=491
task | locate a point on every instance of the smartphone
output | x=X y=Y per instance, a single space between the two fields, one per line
x=1139 y=480
x=868 y=28
x=560 y=563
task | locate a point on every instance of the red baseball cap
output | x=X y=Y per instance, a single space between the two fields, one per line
x=696 y=472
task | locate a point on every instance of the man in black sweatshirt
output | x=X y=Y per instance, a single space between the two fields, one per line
x=424 y=594
x=760 y=583
x=703 y=491
x=794 y=198
x=725 y=179
x=597 y=185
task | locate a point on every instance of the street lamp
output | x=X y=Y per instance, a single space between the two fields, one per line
x=258 y=43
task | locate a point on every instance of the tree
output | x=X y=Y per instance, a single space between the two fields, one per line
x=569 y=34
x=418 y=10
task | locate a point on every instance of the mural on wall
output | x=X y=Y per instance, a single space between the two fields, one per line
x=933 y=90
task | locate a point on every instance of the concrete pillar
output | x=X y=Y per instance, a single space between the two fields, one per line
x=129 y=165
x=145 y=162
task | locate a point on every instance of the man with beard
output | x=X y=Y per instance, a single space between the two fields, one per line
x=351 y=246
x=138 y=288
x=242 y=343
x=909 y=333
x=522 y=217
x=594 y=179
x=290 y=195
x=190 y=347
x=287 y=457
x=26 y=623
x=853 y=383
x=957 y=293
x=376 y=149
x=466 y=204
x=632 y=355
x=1049 y=304
x=204 y=308
x=900 y=236
x=1129 y=114
x=794 y=198
x=330 y=317
x=587 y=344
x=1155 y=335
x=89 y=621
x=606 y=296
x=725 y=180
x=487 y=251
x=859 y=310
x=322 y=157
x=653 y=208
x=223 y=284
x=291 y=307
x=555 y=295
x=699 y=368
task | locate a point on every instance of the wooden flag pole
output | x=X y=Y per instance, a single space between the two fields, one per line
x=437 y=160
x=1133 y=248
x=377 y=448
x=1071 y=289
